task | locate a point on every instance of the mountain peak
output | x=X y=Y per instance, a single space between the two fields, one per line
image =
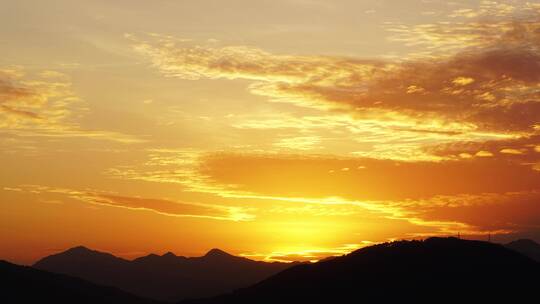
x=169 y=255
x=215 y=252
x=79 y=249
x=85 y=251
x=80 y=253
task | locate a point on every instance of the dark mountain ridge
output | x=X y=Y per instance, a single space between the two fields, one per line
x=164 y=277
x=434 y=270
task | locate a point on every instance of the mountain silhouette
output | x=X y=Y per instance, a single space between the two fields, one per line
x=21 y=285
x=526 y=247
x=434 y=270
x=163 y=277
x=217 y=253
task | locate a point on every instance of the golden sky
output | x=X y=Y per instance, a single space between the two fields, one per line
x=276 y=130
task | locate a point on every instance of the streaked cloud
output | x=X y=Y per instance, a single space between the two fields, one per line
x=393 y=190
x=160 y=206
x=511 y=151
x=305 y=255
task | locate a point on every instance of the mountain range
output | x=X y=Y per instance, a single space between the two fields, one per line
x=433 y=270
x=165 y=277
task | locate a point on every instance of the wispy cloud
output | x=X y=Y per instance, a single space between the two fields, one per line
x=473 y=26
x=45 y=105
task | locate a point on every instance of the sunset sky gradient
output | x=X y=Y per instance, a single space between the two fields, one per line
x=277 y=130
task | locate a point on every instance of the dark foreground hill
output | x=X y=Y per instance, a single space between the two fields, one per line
x=436 y=270
x=526 y=247
x=25 y=285
x=167 y=277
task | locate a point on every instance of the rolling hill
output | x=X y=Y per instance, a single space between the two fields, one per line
x=526 y=247
x=25 y=285
x=434 y=270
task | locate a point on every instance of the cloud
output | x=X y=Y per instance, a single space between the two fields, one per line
x=511 y=151
x=160 y=206
x=233 y=174
x=495 y=90
x=44 y=105
x=484 y=154
x=379 y=135
x=242 y=62
x=299 y=143
x=307 y=255
x=520 y=151
x=27 y=102
x=306 y=176
x=172 y=208
x=470 y=27
x=495 y=9
x=463 y=81
x=383 y=189
x=446 y=117
x=513 y=212
x=487 y=89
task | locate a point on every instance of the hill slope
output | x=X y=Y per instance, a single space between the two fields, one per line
x=167 y=277
x=526 y=247
x=434 y=270
x=22 y=285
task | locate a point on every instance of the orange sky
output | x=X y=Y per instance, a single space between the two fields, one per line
x=277 y=130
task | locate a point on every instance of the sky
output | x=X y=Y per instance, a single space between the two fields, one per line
x=276 y=130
